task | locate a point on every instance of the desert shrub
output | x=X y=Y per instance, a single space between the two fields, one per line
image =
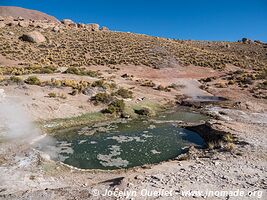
x=99 y=83
x=62 y=96
x=162 y=88
x=148 y=83
x=73 y=70
x=16 y=79
x=52 y=95
x=124 y=93
x=82 y=72
x=46 y=70
x=69 y=83
x=115 y=107
x=33 y=80
x=104 y=98
x=262 y=85
x=55 y=83
x=176 y=86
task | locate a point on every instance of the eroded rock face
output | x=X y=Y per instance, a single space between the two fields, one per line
x=34 y=37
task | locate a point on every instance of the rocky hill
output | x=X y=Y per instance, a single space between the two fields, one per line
x=15 y=12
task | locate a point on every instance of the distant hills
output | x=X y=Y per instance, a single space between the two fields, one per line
x=15 y=12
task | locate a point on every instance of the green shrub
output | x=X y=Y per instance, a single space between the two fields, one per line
x=52 y=95
x=33 y=80
x=16 y=79
x=115 y=107
x=46 y=70
x=99 y=83
x=104 y=98
x=81 y=71
x=124 y=93
x=73 y=70
x=148 y=83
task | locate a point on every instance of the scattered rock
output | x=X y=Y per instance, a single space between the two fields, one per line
x=34 y=37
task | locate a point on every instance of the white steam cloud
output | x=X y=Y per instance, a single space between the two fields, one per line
x=14 y=121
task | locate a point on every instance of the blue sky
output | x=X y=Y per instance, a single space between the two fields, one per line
x=181 y=19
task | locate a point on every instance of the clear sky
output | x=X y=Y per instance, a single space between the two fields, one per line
x=181 y=19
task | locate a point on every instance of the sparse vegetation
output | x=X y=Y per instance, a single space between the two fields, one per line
x=81 y=72
x=147 y=83
x=16 y=79
x=124 y=93
x=143 y=111
x=52 y=95
x=104 y=98
x=115 y=107
x=33 y=80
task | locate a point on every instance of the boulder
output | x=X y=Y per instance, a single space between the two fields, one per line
x=23 y=24
x=93 y=27
x=67 y=22
x=2 y=18
x=34 y=37
x=20 y=18
x=104 y=28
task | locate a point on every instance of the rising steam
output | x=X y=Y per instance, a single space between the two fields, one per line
x=15 y=124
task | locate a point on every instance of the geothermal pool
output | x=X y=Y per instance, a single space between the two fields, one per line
x=125 y=144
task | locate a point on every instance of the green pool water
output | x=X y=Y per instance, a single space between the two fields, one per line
x=125 y=144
